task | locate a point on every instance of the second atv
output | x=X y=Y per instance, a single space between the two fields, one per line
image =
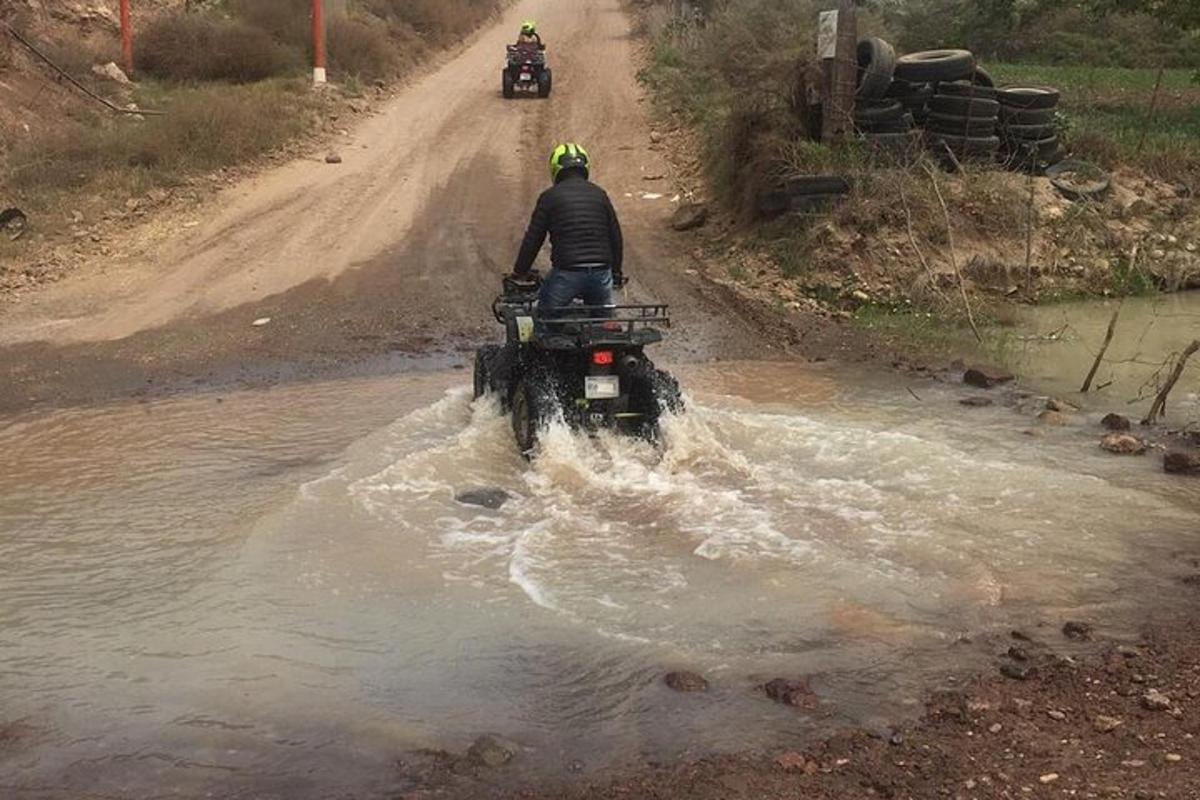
x=586 y=363
x=525 y=70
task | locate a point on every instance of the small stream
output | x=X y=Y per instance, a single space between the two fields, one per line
x=275 y=594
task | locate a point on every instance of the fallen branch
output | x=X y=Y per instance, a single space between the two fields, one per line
x=1159 y=408
x=953 y=256
x=912 y=239
x=1108 y=337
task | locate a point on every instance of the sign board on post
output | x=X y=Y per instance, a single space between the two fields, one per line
x=827 y=34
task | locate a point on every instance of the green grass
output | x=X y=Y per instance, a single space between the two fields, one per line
x=1107 y=114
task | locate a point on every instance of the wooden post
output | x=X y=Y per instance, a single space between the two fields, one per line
x=318 y=32
x=841 y=76
x=126 y=39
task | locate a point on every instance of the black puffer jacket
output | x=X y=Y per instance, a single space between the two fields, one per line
x=582 y=225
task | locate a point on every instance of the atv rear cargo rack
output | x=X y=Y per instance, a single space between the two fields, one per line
x=588 y=326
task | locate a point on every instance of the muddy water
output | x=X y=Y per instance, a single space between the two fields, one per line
x=275 y=593
x=1056 y=345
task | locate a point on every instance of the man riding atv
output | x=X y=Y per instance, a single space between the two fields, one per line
x=529 y=35
x=586 y=249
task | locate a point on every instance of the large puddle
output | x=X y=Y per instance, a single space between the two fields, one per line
x=276 y=594
x=1056 y=345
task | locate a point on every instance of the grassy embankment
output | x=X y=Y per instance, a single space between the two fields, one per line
x=234 y=83
x=733 y=80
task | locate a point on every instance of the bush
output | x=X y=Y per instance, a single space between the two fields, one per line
x=359 y=49
x=189 y=48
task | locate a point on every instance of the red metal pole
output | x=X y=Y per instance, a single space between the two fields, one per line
x=318 y=42
x=126 y=39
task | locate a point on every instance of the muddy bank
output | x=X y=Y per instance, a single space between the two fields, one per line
x=1057 y=716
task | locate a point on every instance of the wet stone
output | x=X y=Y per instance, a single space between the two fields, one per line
x=986 y=377
x=685 y=681
x=1116 y=422
x=1018 y=672
x=1077 y=630
x=1181 y=462
x=795 y=693
x=491 y=750
x=976 y=402
x=1123 y=444
x=492 y=498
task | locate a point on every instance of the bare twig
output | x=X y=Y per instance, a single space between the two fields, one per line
x=953 y=256
x=1159 y=408
x=1030 y=213
x=1112 y=326
x=914 y=394
x=912 y=238
x=1150 y=112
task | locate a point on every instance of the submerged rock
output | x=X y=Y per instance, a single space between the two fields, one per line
x=1077 y=630
x=487 y=497
x=1182 y=462
x=976 y=402
x=986 y=377
x=1123 y=444
x=1049 y=417
x=1116 y=422
x=491 y=750
x=684 y=681
x=796 y=693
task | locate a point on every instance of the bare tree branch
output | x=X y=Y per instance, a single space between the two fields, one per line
x=953 y=256
x=1108 y=337
x=1159 y=408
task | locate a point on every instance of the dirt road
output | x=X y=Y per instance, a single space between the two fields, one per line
x=397 y=249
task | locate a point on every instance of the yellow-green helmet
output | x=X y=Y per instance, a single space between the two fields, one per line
x=528 y=27
x=568 y=156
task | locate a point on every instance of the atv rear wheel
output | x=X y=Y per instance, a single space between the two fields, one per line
x=507 y=85
x=652 y=393
x=530 y=410
x=544 y=83
x=484 y=357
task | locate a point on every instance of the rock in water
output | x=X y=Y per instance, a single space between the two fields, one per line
x=1116 y=422
x=976 y=402
x=1123 y=444
x=685 y=681
x=1049 y=417
x=333 y=158
x=1181 y=462
x=689 y=216
x=986 y=377
x=792 y=693
x=492 y=498
x=491 y=750
x=1077 y=630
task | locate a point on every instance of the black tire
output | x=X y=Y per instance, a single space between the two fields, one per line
x=965 y=89
x=901 y=124
x=507 y=85
x=652 y=393
x=935 y=65
x=1026 y=116
x=965 y=146
x=961 y=126
x=1026 y=133
x=1028 y=96
x=530 y=410
x=484 y=357
x=545 y=83
x=1093 y=186
x=977 y=107
x=870 y=111
x=876 y=63
x=905 y=91
x=983 y=78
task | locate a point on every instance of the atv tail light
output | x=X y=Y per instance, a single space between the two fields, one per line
x=611 y=326
x=602 y=358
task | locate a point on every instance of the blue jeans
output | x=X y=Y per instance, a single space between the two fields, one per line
x=594 y=287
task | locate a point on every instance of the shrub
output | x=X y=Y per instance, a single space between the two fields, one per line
x=357 y=48
x=199 y=47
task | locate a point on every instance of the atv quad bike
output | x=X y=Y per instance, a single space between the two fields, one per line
x=525 y=70
x=583 y=362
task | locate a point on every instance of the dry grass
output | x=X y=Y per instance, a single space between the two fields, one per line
x=191 y=48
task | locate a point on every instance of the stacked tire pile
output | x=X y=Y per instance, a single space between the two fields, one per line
x=883 y=121
x=961 y=111
x=1028 y=134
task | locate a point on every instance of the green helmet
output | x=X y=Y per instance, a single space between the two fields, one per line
x=528 y=27
x=568 y=156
